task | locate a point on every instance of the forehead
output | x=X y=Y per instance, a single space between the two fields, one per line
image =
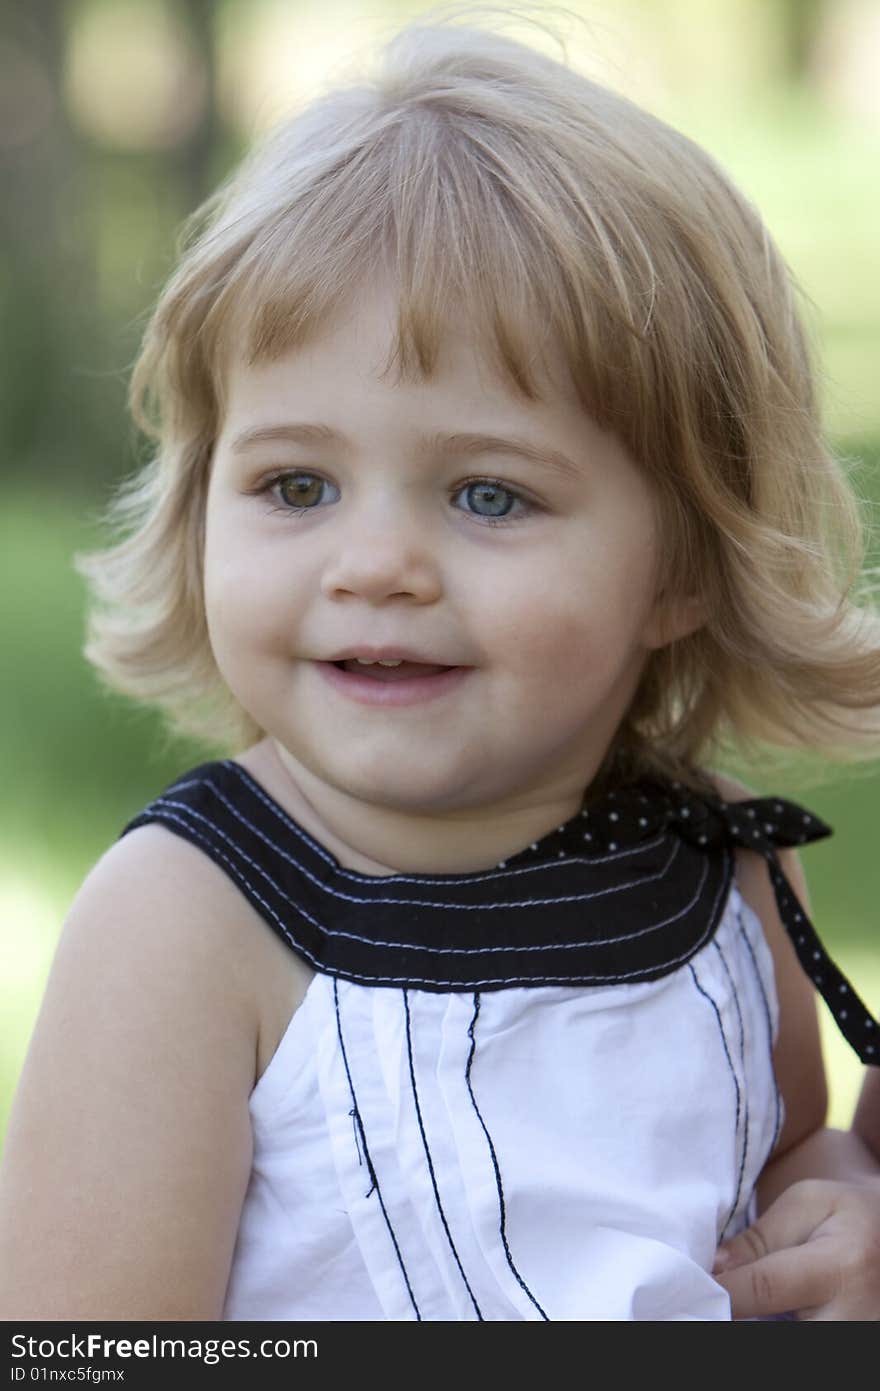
x=342 y=393
x=356 y=354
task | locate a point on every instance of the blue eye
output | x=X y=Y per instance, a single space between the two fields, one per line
x=489 y=499
x=300 y=492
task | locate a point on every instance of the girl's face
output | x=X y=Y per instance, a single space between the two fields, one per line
x=447 y=523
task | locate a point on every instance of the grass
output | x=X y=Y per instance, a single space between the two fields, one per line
x=77 y=765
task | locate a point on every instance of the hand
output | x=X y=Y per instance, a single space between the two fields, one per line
x=814 y=1253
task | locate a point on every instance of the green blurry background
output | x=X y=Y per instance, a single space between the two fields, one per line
x=116 y=118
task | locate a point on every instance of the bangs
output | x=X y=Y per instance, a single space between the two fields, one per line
x=434 y=210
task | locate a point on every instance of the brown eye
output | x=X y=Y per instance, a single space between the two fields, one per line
x=302 y=490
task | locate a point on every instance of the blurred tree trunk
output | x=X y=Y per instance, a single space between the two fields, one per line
x=39 y=170
x=801 y=22
x=62 y=360
x=47 y=273
x=197 y=161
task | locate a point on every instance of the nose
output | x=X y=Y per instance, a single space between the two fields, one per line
x=387 y=556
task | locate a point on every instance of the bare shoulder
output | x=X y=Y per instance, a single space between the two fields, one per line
x=207 y=915
x=129 y=1144
x=798 y=1055
x=729 y=789
x=155 y=904
x=155 y=901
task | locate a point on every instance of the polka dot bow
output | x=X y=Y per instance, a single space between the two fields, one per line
x=765 y=825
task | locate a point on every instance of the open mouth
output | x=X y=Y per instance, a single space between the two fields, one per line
x=393 y=683
x=391 y=671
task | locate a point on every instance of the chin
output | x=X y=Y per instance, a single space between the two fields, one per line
x=411 y=794
x=399 y=781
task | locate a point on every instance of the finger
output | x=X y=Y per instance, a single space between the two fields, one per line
x=783 y=1282
x=792 y=1219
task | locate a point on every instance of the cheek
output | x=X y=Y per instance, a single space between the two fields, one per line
x=241 y=596
x=585 y=610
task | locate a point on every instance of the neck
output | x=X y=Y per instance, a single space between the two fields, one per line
x=377 y=839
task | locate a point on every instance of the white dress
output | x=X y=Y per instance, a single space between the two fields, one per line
x=493 y=1150
x=568 y=1153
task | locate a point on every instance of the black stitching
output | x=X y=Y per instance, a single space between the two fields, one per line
x=707 y=996
x=742 y=1054
x=501 y=1208
x=371 y=1170
x=764 y=1001
x=412 y=1073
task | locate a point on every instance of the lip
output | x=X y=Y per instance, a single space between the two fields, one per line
x=412 y=690
x=386 y=654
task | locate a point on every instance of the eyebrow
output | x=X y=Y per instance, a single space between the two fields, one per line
x=464 y=444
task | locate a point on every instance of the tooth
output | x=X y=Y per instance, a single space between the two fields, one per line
x=365 y=661
x=394 y=662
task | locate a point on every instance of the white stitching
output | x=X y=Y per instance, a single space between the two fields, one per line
x=416 y=902
x=475 y=878
x=415 y=946
x=468 y=985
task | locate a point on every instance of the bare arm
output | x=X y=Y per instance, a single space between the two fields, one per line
x=797 y=1056
x=815 y=1248
x=866 y=1123
x=129 y=1144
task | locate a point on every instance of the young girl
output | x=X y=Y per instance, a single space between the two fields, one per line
x=489 y=495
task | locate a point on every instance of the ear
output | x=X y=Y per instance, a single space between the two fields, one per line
x=673 y=618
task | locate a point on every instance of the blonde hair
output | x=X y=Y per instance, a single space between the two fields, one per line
x=485 y=174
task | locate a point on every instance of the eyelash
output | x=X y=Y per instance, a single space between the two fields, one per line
x=526 y=506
